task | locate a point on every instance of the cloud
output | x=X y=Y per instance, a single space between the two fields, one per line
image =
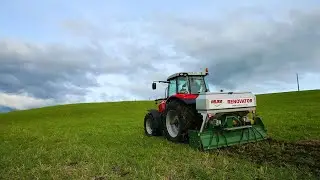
x=118 y=59
x=22 y=101
x=249 y=51
x=46 y=71
x=120 y=68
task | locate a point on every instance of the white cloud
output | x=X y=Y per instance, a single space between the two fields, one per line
x=22 y=101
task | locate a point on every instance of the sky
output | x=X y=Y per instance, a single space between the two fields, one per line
x=58 y=52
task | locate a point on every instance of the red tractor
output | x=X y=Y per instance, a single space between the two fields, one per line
x=208 y=120
x=176 y=112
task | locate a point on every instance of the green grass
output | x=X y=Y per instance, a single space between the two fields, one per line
x=106 y=141
x=291 y=116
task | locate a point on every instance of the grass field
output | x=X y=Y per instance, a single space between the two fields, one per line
x=106 y=141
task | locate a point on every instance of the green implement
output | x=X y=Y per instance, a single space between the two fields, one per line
x=214 y=137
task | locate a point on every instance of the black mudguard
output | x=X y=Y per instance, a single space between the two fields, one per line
x=186 y=101
x=189 y=101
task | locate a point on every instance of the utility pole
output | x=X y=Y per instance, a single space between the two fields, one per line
x=298 y=81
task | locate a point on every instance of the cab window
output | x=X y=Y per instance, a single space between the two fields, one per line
x=197 y=84
x=172 y=87
x=183 y=86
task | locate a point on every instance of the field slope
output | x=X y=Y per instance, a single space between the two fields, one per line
x=106 y=141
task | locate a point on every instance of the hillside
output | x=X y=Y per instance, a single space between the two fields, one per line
x=106 y=141
x=5 y=109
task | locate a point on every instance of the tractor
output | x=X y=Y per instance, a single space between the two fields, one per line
x=189 y=112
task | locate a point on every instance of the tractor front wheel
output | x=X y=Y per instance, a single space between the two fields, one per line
x=150 y=126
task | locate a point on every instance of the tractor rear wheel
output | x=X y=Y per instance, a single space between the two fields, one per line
x=178 y=119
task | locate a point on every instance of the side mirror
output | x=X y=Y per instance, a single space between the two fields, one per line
x=154 y=86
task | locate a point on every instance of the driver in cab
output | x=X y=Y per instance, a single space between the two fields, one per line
x=183 y=88
x=196 y=87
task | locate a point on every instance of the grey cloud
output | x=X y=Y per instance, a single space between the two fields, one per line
x=244 y=51
x=56 y=71
x=42 y=74
x=62 y=73
x=237 y=51
x=140 y=48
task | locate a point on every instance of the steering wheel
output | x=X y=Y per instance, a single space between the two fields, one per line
x=183 y=91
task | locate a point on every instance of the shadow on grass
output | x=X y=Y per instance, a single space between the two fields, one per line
x=302 y=154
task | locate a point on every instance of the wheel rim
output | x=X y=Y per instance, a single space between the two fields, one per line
x=172 y=123
x=148 y=126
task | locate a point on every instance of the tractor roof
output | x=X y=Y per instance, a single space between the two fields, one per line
x=187 y=74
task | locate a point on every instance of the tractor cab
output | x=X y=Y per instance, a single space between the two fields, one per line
x=183 y=86
x=185 y=83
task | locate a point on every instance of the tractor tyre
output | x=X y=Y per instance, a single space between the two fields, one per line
x=178 y=119
x=151 y=126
